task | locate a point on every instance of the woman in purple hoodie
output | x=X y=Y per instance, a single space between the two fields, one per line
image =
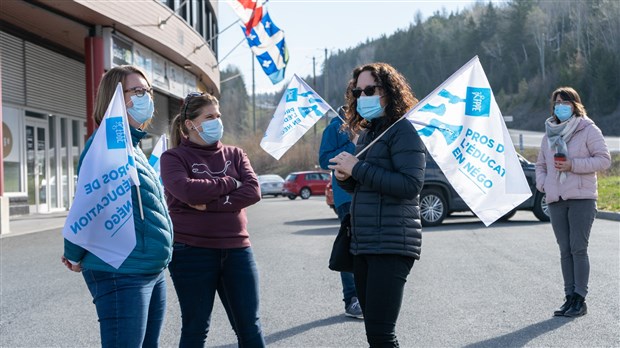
x=208 y=185
x=572 y=151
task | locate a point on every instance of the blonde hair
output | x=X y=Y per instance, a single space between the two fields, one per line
x=107 y=87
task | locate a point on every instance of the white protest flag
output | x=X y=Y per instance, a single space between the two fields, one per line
x=160 y=147
x=101 y=217
x=466 y=135
x=299 y=109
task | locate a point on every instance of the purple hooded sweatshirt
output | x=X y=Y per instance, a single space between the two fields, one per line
x=194 y=175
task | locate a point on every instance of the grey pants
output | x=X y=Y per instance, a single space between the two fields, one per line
x=571 y=221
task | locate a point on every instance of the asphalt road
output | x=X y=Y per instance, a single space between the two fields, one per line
x=473 y=287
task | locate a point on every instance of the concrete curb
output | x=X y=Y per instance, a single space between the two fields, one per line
x=608 y=215
x=48 y=222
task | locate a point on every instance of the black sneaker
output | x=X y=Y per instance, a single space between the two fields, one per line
x=354 y=310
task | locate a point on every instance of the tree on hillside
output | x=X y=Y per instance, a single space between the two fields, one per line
x=234 y=103
x=526 y=47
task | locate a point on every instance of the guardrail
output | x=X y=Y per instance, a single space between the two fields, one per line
x=529 y=139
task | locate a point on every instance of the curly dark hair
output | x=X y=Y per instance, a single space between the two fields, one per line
x=398 y=95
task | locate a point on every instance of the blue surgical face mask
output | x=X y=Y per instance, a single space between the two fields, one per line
x=370 y=107
x=212 y=130
x=563 y=112
x=142 y=109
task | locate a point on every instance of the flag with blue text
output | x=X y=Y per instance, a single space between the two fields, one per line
x=299 y=109
x=101 y=217
x=160 y=147
x=464 y=131
x=267 y=42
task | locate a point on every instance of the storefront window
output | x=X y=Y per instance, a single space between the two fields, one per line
x=11 y=149
x=11 y=176
x=77 y=130
x=64 y=162
x=53 y=178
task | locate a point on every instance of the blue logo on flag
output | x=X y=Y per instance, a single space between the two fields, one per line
x=478 y=102
x=291 y=95
x=115 y=134
x=305 y=111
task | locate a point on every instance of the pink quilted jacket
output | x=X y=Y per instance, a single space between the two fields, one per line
x=588 y=153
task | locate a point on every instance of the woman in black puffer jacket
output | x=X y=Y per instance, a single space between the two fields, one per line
x=386 y=181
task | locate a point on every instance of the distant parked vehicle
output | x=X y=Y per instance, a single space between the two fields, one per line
x=438 y=198
x=329 y=197
x=305 y=184
x=270 y=184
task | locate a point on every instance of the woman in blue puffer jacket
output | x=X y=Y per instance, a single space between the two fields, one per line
x=130 y=300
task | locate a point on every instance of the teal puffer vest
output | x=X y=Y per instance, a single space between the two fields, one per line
x=153 y=249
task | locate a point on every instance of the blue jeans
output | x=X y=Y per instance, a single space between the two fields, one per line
x=198 y=273
x=348 y=281
x=130 y=307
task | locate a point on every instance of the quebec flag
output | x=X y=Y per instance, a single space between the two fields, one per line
x=299 y=109
x=160 y=147
x=464 y=131
x=267 y=42
x=101 y=217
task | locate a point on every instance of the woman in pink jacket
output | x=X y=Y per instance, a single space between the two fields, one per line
x=572 y=151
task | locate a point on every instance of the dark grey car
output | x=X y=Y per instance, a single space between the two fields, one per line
x=439 y=199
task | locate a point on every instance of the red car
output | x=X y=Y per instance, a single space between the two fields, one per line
x=329 y=196
x=305 y=184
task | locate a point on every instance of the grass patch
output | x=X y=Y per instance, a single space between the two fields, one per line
x=609 y=193
x=608 y=181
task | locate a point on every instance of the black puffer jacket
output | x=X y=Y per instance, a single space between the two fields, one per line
x=386 y=184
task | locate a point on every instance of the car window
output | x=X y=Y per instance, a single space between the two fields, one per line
x=311 y=176
x=269 y=178
x=291 y=177
x=430 y=162
x=325 y=176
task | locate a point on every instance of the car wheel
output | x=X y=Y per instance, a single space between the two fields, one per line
x=291 y=197
x=541 y=210
x=433 y=207
x=305 y=193
x=508 y=215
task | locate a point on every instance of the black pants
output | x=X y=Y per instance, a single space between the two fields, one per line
x=380 y=282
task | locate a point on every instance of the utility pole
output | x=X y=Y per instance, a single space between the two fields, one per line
x=325 y=84
x=253 y=96
x=314 y=86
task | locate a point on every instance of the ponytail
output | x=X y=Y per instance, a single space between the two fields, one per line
x=177 y=131
x=190 y=109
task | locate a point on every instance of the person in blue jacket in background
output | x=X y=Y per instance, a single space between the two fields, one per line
x=334 y=141
x=130 y=300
